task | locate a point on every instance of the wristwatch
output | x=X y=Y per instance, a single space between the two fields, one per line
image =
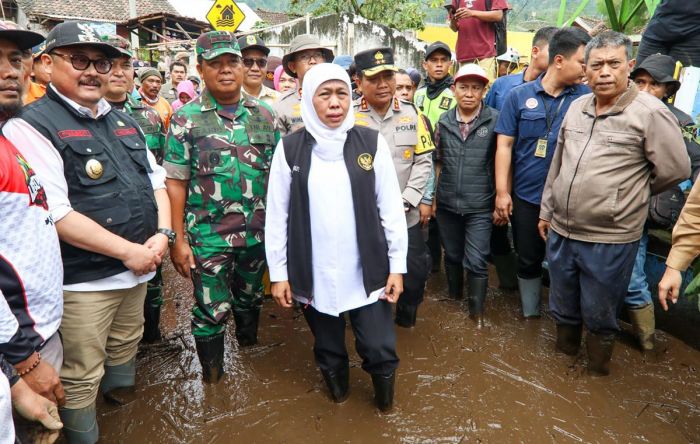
x=170 y=234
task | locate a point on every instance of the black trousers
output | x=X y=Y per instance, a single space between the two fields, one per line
x=529 y=245
x=417 y=267
x=375 y=338
x=433 y=243
x=686 y=50
x=500 y=244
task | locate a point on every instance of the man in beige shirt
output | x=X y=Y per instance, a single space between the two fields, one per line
x=616 y=147
x=254 y=60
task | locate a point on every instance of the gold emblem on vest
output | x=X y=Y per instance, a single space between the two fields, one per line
x=365 y=161
x=94 y=169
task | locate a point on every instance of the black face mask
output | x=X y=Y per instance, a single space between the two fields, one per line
x=436 y=88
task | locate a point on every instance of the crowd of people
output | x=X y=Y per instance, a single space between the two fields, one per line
x=335 y=183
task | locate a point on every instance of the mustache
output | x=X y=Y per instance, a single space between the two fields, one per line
x=11 y=85
x=90 y=82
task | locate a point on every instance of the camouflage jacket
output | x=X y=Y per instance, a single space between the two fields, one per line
x=150 y=123
x=226 y=159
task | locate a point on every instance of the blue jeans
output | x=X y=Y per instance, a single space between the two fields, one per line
x=466 y=239
x=638 y=293
x=588 y=281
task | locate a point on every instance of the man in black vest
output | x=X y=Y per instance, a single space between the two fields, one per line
x=108 y=198
x=466 y=145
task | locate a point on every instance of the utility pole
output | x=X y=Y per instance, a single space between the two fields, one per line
x=132 y=15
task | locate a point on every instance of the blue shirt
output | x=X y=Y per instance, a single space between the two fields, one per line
x=501 y=87
x=524 y=116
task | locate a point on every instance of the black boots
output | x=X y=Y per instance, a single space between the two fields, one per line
x=151 y=325
x=569 y=338
x=247 y=326
x=384 y=391
x=210 y=350
x=599 y=348
x=477 y=296
x=405 y=315
x=338 y=382
x=455 y=280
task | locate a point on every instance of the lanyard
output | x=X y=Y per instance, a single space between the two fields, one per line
x=551 y=118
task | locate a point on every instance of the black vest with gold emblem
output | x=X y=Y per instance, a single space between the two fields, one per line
x=359 y=151
x=106 y=168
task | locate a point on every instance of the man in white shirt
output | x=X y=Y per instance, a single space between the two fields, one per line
x=107 y=197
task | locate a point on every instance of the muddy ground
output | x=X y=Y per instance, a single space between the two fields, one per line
x=455 y=384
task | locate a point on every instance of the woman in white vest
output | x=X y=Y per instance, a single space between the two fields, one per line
x=335 y=235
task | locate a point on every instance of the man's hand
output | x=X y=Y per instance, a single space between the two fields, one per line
x=543 y=228
x=43 y=379
x=394 y=288
x=37 y=408
x=282 y=293
x=140 y=259
x=462 y=13
x=158 y=243
x=669 y=287
x=498 y=220
x=504 y=206
x=426 y=212
x=182 y=257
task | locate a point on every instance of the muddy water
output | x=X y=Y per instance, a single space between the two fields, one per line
x=456 y=384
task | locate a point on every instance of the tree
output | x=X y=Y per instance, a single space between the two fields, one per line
x=398 y=14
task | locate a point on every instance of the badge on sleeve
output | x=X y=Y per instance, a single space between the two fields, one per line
x=94 y=169
x=541 y=150
x=364 y=160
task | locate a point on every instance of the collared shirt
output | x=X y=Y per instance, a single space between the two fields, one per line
x=287 y=109
x=524 y=116
x=225 y=155
x=34 y=92
x=267 y=95
x=501 y=87
x=103 y=106
x=337 y=271
x=465 y=127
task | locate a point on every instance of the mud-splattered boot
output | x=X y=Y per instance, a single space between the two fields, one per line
x=600 y=349
x=247 y=326
x=569 y=338
x=506 y=267
x=455 y=280
x=477 y=296
x=644 y=324
x=80 y=425
x=210 y=350
x=530 y=295
x=338 y=382
x=384 y=391
x=405 y=315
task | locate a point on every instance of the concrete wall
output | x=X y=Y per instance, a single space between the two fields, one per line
x=348 y=34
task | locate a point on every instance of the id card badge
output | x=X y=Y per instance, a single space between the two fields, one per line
x=541 y=150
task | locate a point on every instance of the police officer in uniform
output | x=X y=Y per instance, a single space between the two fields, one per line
x=305 y=51
x=107 y=196
x=406 y=131
x=121 y=83
x=218 y=157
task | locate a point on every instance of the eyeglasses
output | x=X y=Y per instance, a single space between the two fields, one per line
x=82 y=62
x=306 y=57
x=249 y=61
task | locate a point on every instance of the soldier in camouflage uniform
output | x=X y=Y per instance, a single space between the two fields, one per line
x=121 y=83
x=305 y=51
x=217 y=157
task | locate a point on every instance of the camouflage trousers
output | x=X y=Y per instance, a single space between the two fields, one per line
x=225 y=279
x=154 y=294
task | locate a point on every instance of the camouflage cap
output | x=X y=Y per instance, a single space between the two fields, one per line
x=120 y=43
x=215 y=43
x=21 y=37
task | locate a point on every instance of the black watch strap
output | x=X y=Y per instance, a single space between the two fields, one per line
x=170 y=234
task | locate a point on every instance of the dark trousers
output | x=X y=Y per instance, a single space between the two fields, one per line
x=375 y=339
x=433 y=243
x=528 y=243
x=500 y=244
x=686 y=50
x=417 y=268
x=466 y=239
x=588 y=281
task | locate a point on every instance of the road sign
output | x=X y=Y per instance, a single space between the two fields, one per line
x=225 y=15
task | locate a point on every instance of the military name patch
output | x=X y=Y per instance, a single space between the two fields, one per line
x=482 y=132
x=364 y=160
x=66 y=134
x=120 y=132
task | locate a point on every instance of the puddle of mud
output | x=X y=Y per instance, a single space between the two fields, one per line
x=455 y=384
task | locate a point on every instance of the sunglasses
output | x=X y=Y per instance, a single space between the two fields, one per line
x=249 y=61
x=82 y=62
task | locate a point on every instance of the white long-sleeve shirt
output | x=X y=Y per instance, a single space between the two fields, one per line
x=337 y=271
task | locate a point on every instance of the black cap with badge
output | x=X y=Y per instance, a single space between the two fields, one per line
x=73 y=33
x=253 y=42
x=435 y=47
x=373 y=61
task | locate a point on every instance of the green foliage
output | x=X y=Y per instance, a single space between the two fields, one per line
x=628 y=16
x=399 y=14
